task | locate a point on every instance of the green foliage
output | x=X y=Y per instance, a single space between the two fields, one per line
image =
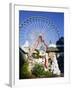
x=38 y=70
x=48 y=74
x=25 y=73
x=36 y=55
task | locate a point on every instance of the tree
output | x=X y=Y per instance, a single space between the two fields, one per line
x=60 y=46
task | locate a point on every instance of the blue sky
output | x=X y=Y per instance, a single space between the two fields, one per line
x=34 y=23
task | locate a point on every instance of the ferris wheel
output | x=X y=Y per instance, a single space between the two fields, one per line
x=39 y=25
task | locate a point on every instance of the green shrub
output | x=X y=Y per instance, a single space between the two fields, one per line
x=25 y=73
x=48 y=74
x=38 y=70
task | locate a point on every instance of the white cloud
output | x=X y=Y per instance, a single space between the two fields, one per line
x=26 y=44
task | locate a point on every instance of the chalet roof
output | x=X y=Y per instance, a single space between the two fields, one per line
x=52 y=49
x=52 y=45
